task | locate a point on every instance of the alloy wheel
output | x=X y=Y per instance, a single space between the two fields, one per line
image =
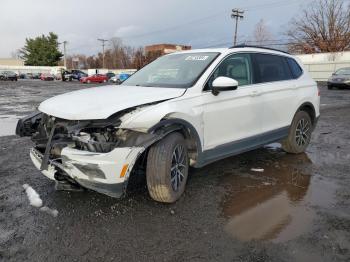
x=178 y=167
x=302 y=132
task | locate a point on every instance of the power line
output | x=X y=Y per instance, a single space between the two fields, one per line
x=64 y=53
x=103 y=50
x=237 y=15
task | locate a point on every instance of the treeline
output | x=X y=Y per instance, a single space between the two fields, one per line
x=117 y=56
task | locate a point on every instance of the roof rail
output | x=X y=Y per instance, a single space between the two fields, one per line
x=261 y=47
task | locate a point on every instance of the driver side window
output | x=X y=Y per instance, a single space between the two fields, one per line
x=236 y=66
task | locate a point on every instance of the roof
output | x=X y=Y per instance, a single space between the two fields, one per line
x=259 y=47
x=238 y=48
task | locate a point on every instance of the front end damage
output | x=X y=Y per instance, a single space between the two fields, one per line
x=93 y=154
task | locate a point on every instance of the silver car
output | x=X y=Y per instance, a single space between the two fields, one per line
x=340 y=79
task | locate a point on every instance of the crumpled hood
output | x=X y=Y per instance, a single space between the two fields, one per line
x=102 y=102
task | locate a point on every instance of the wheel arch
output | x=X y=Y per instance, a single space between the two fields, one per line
x=186 y=129
x=309 y=108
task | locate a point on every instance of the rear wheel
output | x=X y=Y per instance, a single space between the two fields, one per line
x=299 y=134
x=167 y=168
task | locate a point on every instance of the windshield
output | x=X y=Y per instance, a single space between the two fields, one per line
x=343 y=71
x=177 y=70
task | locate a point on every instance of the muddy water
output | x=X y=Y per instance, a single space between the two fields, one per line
x=275 y=204
x=8 y=124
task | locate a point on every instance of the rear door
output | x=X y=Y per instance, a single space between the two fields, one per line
x=277 y=89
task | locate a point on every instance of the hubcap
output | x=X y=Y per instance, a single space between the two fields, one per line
x=302 y=132
x=178 y=167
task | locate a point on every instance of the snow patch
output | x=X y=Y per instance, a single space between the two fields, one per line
x=35 y=200
x=257 y=169
x=273 y=146
x=52 y=212
x=33 y=196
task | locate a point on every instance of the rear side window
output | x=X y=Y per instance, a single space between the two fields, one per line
x=270 y=68
x=295 y=68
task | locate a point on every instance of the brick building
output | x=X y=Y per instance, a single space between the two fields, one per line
x=163 y=49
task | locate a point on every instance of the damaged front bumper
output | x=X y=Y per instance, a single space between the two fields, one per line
x=106 y=173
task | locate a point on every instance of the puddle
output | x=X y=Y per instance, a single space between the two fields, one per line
x=8 y=124
x=276 y=204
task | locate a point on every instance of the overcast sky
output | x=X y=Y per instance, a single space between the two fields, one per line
x=199 y=23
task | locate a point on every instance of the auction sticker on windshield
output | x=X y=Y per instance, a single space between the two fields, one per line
x=197 y=58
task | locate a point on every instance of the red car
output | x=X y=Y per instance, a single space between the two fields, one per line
x=47 y=77
x=98 y=78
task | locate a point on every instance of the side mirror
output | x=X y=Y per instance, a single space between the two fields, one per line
x=223 y=83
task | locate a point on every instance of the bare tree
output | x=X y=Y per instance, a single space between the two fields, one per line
x=262 y=34
x=117 y=56
x=323 y=27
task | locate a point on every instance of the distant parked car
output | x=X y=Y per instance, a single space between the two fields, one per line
x=119 y=78
x=36 y=76
x=47 y=77
x=98 y=78
x=77 y=74
x=29 y=76
x=110 y=75
x=340 y=79
x=66 y=76
x=22 y=76
x=114 y=79
x=8 y=75
x=58 y=76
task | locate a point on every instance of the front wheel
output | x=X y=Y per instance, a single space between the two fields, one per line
x=299 y=135
x=167 y=168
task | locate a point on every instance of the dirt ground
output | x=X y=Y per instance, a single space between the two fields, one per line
x=297 y=209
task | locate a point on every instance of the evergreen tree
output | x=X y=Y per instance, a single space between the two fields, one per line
x=41 y=51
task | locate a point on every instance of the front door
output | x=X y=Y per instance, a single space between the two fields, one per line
x=232 y=116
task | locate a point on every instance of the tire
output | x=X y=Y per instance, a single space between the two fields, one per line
x=297 y=142
x=88 y=81
x=104 y=81
x=163 y=185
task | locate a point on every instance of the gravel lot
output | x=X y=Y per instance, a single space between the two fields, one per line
x=297 y=209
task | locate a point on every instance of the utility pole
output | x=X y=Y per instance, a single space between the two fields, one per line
x=64 y=53
x=236 y=14
x=103 y=50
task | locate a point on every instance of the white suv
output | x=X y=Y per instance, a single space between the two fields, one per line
x=185 y=109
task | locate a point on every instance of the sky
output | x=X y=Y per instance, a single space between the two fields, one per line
x=199 y=23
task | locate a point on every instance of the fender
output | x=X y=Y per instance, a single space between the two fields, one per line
x=311 y=111
x=174 y=124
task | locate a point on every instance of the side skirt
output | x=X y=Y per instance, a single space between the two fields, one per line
x=241 y=146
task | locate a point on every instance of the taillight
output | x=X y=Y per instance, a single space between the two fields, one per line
x=318 y=91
